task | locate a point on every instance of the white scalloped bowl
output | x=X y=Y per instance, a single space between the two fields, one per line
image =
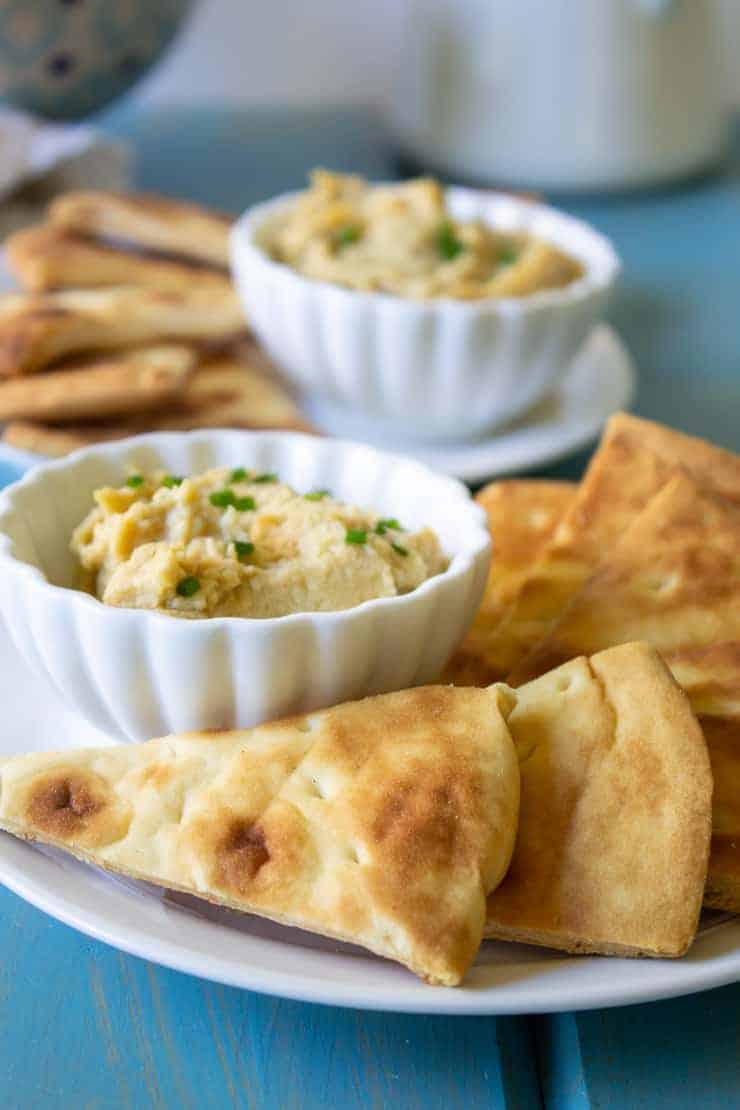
x=437 y=369
x=138 y=674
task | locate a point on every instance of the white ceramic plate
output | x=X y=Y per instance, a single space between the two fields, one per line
x=244 y=951
x=600 y=381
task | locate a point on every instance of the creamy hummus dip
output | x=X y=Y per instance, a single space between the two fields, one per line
x=234 y=543
x=401 y=239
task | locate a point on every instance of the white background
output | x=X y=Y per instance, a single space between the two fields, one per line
x=313 y=51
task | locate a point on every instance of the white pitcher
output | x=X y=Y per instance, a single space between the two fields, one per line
x=560 y=93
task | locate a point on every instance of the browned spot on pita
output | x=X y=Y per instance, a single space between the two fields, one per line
x=63 y=805
x=240 y=855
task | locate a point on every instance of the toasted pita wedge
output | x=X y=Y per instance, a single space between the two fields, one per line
x=37 y=330
x=522 y=515
x=145 y=220
x=220 y=394
x=131 y=382
x=45 y=258
x=710 y=675
x=722 y=735
x=634 y=460
x=383 y=822
x=615 y=819
x=673 y=580
x=225 y=393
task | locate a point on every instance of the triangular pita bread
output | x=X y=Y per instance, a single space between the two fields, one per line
x=615 y=820
x=673 y=580
x=384 y=822
x=522 y=515
x=634 y=460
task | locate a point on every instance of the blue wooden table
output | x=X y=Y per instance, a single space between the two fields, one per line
x=84 y=1025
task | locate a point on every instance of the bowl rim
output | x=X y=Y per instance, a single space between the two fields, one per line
x=602 y=264
x=460 y=565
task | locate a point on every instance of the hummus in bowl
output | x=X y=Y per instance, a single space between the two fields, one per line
x=402 y=239
x=424 y=313
x=232 y=542
x=133 y=671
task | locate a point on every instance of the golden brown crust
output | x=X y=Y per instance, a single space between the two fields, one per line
x=221 y=393
x=46 y=258
x=522 y=515
x=673 y=579
x=384 y=822
x=118 y=385
x=146 y=220
x=634 y=460
x=615 y=816
x=36 y=330
x=722 y=735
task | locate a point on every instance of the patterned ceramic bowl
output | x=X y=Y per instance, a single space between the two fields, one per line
x=65 y=58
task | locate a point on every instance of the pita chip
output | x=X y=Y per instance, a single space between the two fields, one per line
x=615 y=818
x=673 y=579
x=522 y=516
x=129 y=382
x=383 y=822
x=146 y=220
x=634 y=460
x=36 y=330
x=45 y=258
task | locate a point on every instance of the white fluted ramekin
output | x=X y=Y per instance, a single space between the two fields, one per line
x=435 y=369
x=138 y=674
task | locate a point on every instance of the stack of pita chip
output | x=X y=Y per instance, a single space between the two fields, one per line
x=647 y=548
x=395 y=822
x=128 y=322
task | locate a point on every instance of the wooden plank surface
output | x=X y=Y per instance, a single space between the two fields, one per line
x=86 y=1026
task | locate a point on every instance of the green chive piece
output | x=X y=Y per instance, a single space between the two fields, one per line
x=356 y=535
x=186 y=587
x=266 y=478
x=238 y=475
x=222 y=498
x=347 y=235
x=243 y=549
x=398 y=549
x=171 y=480
x=506 y=256
x=316 y=495
x=244 y=504
x=383 y=525
x=134 y=481
x=448 y=244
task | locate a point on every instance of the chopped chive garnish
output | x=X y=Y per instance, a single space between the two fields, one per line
x=383 y=525
x=238 y=475
x=186 y=587
x=222 y=498
x=244 y=504
x=448 y=244
x=316 y=495
x=398 y=549
x=347 y=235
x=506 y=256
x=266 y=478
x=134 y=481
x=243 y=549
x=171 y=480
x=356 y=535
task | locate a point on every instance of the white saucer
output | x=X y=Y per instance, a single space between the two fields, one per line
x=244 y=951
x=600 y=381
